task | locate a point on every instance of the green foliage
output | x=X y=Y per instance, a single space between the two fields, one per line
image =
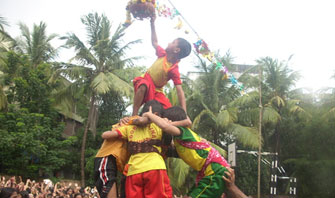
x=312 y=161
x=181 y=176
x=246 y=175
x=30 y=143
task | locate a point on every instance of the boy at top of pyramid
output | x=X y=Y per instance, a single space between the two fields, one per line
x=150 y=85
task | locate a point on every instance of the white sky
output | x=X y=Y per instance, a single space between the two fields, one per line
x=249 y=28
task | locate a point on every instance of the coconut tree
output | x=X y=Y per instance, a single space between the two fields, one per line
x=6 y=41
x=6 y=44
x=210 y=106
x=327 y=96
x=278 y=85
x=37 y=44
x=96 y=68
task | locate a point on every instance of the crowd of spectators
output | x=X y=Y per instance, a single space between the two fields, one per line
x=11 y=188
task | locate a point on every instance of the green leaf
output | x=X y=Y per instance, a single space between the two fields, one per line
x=101 y=84
x=248 y=136
x=120 y=85
x=223 y=119
x=270 y=115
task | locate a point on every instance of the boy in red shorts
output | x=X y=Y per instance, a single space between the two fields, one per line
x=150 y=85
x=146 y=176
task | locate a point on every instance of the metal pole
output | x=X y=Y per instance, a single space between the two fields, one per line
x=274 y=177
x=293 y=186
x=260 y=133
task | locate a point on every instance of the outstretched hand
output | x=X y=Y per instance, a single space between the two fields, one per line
x=229 y=178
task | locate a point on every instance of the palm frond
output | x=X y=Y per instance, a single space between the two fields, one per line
x=250 y=99
x=64 y=110
x=224 y=119
x=64 y=96
x=3 y=22
x=26 y=34
x=248 y=136
x=178 y=172
x=278 y=101
x=3 y=99
x=197 y=119
x=120 y=85
x=75 y=72
x=270 y=115
x=83 y=54
x=329 y=115
x=101 y=84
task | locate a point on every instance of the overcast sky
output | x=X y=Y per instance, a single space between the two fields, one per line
x=250 y=29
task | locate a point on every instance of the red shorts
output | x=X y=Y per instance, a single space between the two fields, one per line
x=151 y=93
x=150 y=184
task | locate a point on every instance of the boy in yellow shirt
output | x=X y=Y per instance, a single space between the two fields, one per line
x=146 y=176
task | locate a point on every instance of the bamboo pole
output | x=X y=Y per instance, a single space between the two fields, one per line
x=260 y=133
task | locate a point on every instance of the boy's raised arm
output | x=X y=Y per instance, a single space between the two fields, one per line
x=153 y=32
x=163 y=124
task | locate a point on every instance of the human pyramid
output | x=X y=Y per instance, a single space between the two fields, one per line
x=137 y=146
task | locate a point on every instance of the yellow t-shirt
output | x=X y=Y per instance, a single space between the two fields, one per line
x=159 y=72
x=116 y=147
x=142 y=162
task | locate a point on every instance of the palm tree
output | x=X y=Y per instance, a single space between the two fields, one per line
x=98 y=69
x=212 y=110
x=3 y=97
x=327 y=95
x=37 y=43
x=6 y=41
x=6 y=44
x=279 y=80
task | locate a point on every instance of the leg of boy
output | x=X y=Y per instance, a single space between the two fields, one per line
x=135 y=186
x=123 y=186
x=161 y=98
x=157 y=184
x=144 y=89
x=138 y=98
x=105 y=176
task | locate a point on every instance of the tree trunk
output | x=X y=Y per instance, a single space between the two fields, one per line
x=277 y=149
x=83 y=145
